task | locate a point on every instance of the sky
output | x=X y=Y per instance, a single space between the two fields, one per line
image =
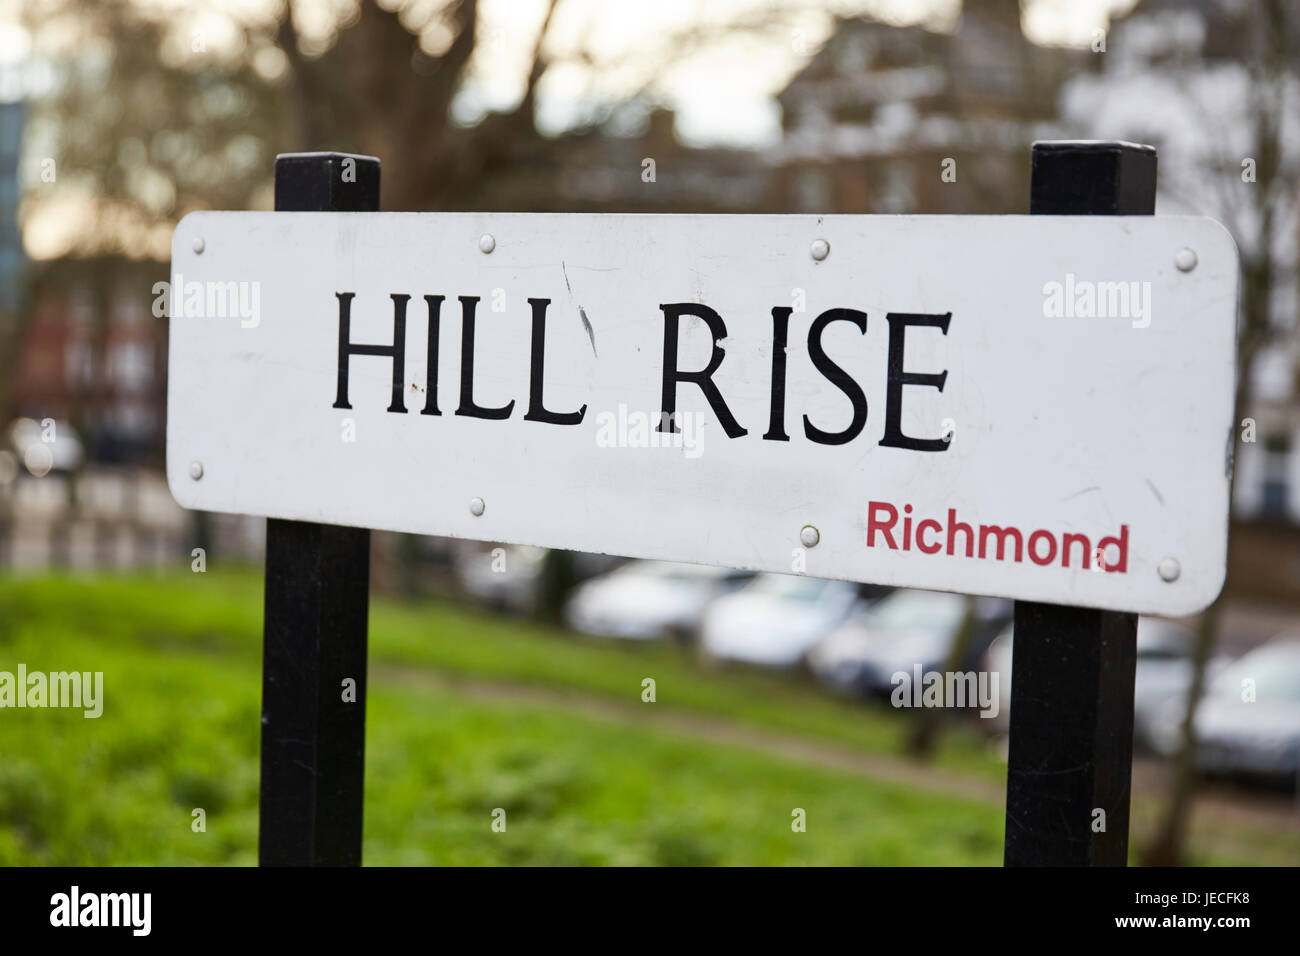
x=722 y=91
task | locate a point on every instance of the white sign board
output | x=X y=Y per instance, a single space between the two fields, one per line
x=1032 y=407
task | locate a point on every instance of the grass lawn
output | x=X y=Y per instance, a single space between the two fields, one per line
x=467 y=713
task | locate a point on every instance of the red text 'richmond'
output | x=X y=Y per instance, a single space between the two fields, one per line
x=885 y=528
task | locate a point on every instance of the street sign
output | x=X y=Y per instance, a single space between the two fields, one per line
x=1033 y=407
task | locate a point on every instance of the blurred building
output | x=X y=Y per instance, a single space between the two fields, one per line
x=650 y=170
x=95 y=357
x=867 y=125
x=655 y=172
x=879 y=114
x=12 y=261
x=11 y=244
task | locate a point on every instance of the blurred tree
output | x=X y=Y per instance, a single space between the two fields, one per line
x=159 y=111
x=927 y=722
x=556 y=581
x=138 y=128
x=376 y=90
x=146 y=123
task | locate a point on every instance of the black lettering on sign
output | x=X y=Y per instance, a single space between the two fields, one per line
x=837 y=377
x=537 y=411
x=898 y=325
x=467 y=405
x=671 y=374
x=396 y=351
x=431 y=369
x=704 y=377
x=780 y=331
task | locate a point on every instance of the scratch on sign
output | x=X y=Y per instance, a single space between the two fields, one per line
x=582 y=313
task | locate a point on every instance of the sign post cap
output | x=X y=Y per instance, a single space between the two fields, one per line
x=326 y=182
x=1092 y=177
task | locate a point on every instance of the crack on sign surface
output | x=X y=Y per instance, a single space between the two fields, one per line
x=582 y=313
x=586 y=324
x=1082 y=491
x=1155 y=491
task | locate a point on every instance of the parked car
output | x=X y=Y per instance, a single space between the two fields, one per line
x=1248 y=722
x=1163 y=673
x=1165 y=661
x=503 y=577
x=509 y=576
x=649 y=599
x=775 y=619
x=906 y=628
x=45 y=446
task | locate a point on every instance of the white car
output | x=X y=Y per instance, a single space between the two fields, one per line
x=1248 y=722
x=896 y=633
x=649 y=599
x=42 y=448
x=501 y=576
x=775 y=619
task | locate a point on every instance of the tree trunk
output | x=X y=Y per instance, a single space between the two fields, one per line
x=923 y=739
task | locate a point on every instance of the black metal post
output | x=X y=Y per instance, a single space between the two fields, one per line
x=1070 y=760
x=314 y=637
